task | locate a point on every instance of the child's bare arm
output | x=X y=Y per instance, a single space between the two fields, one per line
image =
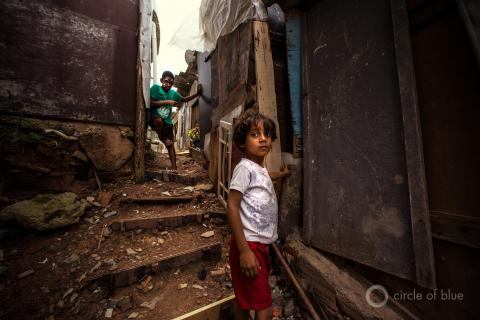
x=160 y=103
x=248 y=262
x=274 y=175
x=199 y=92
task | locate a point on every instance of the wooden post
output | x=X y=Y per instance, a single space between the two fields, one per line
x=266 y=99
x=139 y=154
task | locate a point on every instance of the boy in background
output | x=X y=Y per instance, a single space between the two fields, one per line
x=162 y=99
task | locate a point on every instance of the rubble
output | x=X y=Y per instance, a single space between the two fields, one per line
x=47 y=211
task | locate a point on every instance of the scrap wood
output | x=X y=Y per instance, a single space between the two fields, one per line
x=158 y=200
x=213 y=311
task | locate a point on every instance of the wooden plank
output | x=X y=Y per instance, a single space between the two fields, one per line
x=420 y=219
x=266 y=98
x=139 y=152
x=157 y=200
x=218 y=310
x=456 y=228
x=135 y=271
x=157 y=222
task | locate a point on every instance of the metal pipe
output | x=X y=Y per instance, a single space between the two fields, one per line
x=295 y=283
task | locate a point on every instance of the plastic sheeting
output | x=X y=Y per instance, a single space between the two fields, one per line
x=146 y=46
x=213 y=19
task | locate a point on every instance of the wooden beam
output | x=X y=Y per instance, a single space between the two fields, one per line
x=266 y=99
x=157 y=200
x=218 y=310
x=463 y=230
x=139 y=152
x=420 y=219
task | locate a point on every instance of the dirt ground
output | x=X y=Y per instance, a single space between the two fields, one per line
x=63 y=266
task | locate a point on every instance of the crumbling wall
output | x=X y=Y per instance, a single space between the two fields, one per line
x=45 y=155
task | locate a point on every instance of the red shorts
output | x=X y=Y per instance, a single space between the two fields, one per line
x=251 y=293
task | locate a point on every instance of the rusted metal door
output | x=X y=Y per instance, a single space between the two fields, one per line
x=365 y=191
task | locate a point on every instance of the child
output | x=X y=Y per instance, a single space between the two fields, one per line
x=252 y=212
x=162 y=100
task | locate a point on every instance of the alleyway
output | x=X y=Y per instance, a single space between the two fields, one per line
x=155 y=250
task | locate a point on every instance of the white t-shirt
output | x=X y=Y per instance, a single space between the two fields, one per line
x=258 y=208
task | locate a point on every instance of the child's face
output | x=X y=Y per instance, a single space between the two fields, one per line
x=167 y=83
x=258 y=143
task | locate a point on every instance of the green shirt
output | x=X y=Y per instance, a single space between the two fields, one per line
x=164 y=112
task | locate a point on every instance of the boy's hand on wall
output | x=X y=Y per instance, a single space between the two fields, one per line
x=199 y=89
x=248 y=263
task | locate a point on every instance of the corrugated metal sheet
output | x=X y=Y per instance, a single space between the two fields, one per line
x=69 y=59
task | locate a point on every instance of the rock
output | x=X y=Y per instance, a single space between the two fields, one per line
x=109 y=313
x=104 y=197
x=130 y=251
x=90 y=199
x=166 y=193
x=125 y=303
x=25 y=274
x=208 y=234
x=73 y=258
x=163 y=233
x=133 y=315
x=196 y=286
x=110 y=214
x=204 y=187
x=150 y=304
x=189 y=188
x=161 y=241
x=289 y=308
x=95 y=256
x=106 y=147
x=47 y=211
x=60 y=303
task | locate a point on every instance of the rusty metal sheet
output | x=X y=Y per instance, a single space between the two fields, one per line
x=58 y=63
x=357 y=192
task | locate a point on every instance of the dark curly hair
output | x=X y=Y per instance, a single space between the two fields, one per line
x=167 y=74
x=245 y=122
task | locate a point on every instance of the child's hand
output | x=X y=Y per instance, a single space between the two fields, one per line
x=284 y=170
x=171 y=102
x=199 y=89
x=248 y=263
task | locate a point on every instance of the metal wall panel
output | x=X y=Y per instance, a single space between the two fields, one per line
x=69 y=60
x=357 y=187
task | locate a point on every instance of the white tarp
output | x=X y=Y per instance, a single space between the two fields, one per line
x=213 y=19
x=146 y=46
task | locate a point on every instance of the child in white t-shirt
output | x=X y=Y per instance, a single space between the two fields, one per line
x=252 y=212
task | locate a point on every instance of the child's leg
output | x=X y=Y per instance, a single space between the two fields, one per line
x=157 y=125
x=241 y=314
x=173 y=156
x=265 y=314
